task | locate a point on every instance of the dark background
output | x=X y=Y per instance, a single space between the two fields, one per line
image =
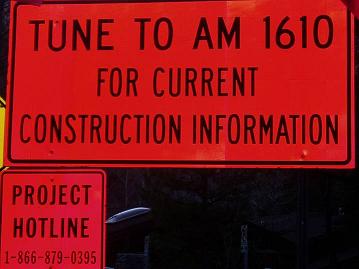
x=296 y=218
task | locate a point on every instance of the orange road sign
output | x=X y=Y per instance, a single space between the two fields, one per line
x=189 y=83
x=52 y=219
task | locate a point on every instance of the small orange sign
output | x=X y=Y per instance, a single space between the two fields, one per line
x=189 y=83
x=52 y=219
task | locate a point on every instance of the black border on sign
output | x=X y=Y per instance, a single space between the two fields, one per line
x=60 y=171
x=176 y=162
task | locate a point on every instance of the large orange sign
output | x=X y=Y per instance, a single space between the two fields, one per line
x=190 y=83
x=52 y=219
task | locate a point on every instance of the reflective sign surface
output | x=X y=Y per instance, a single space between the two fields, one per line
x=199 y=83
x=52 y=219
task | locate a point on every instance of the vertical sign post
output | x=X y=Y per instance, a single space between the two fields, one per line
x=52 y=219
x=244 y=245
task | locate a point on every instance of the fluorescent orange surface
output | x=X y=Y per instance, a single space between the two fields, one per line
x=36 y=209
x=312 y=83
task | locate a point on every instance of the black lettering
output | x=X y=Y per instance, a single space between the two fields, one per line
x=157 y=92
x=55 y=128
x=52 y=226
x=16 y=192
x=22 y=138
x=219 y=127
x=156 y=33
x=116 y=71
x=249 y=125
x=175 y=129
x=266 y=126
x=75 y=199
x=84 y=228
x=282 y=130
x=221 y=80
x=238 y=81
x=142 y=22
x=36 y=24
x=29 y=195
x=205 y=128
x=315 y=129
x=83 y=127
x=18 y=228
x=122 y=128
x=42 y=222
x=253 y=71
x=51 y=36
x=31 y=227
x=132 y=77
x=62 y=194
x=332 y=129
x=203 y=34
x=72 y=227
x=79 y=32
x=190 y=78
x=72 y=137
x=100 y=80
x=40 y=128
x=108 y=139
x=294 y=127
x=228 y=36
x=42 y=195
x=207 y=77
x=86 y=188
x=95 y=126
x=159 y=132
x=234 y=125
x=102 y=33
